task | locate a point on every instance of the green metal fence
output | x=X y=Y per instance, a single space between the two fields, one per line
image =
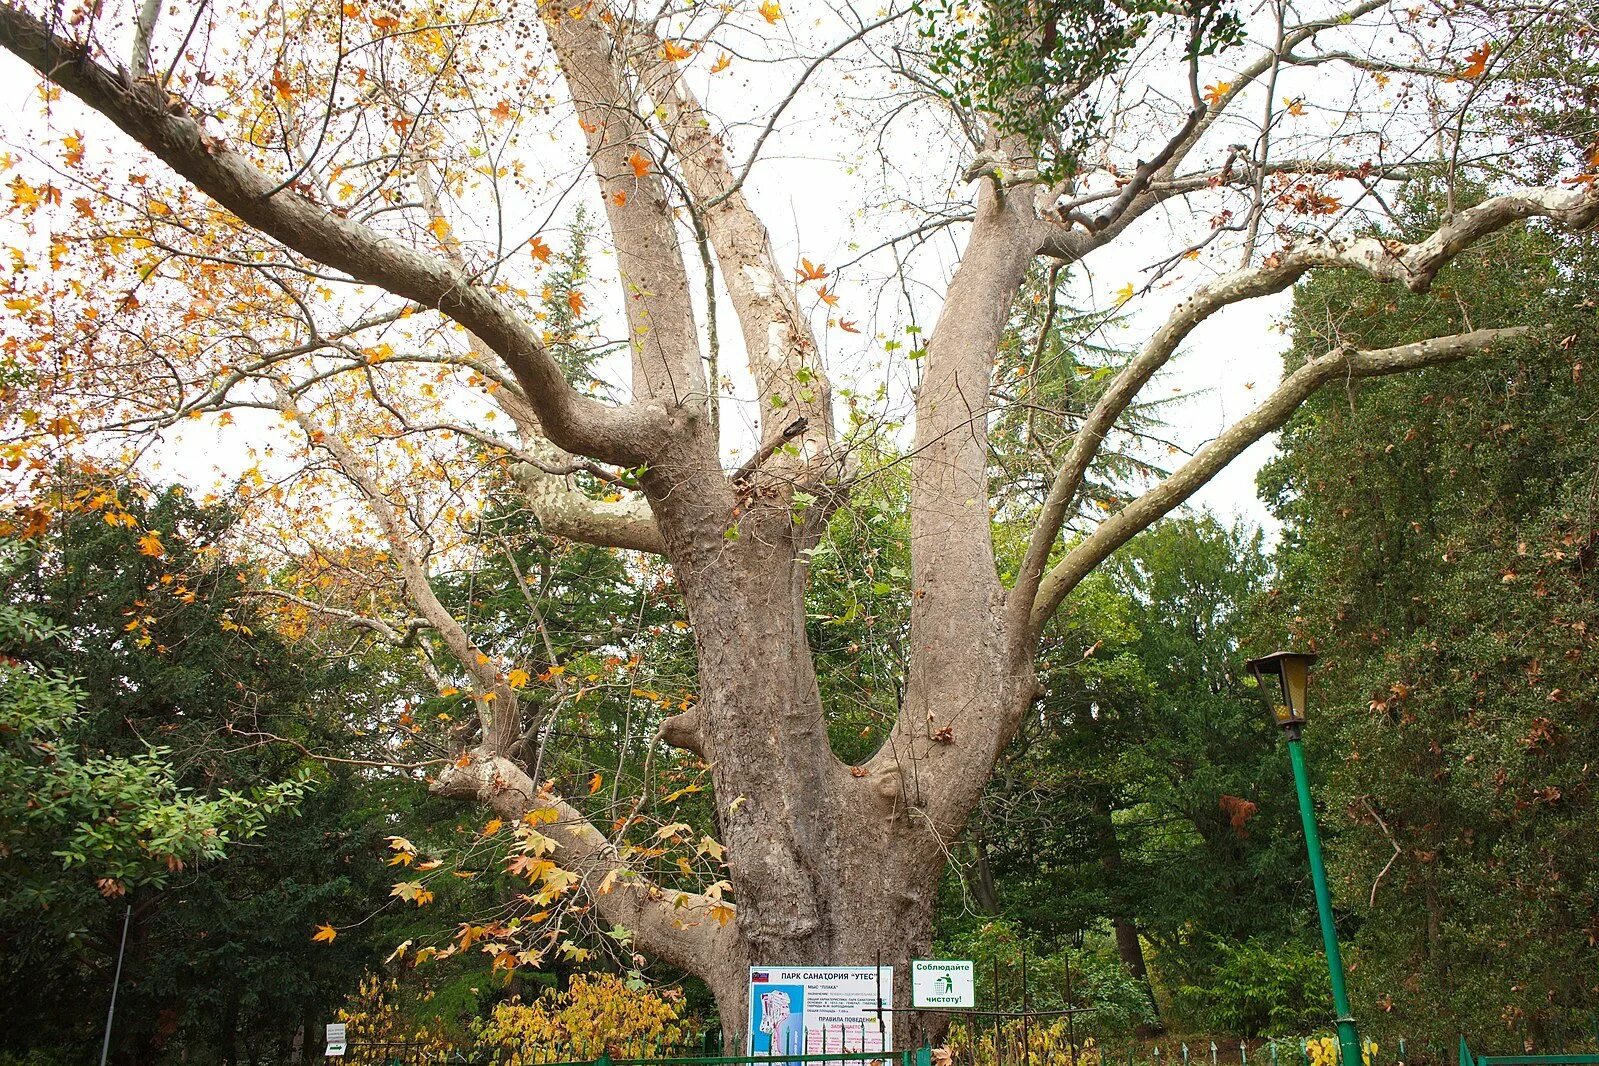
x=1468 y=1058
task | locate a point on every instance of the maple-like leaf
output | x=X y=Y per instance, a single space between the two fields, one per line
x=828 y=298
x=492 y=826
x=1124 y=294
x=640 y=164
x=413 y=891
x=848 y=326
x=324 y=934
x=595 y=782
x=150 y=544
x=439 y=227
x=1476 y=62
x=574 y=300
x=770 y=11
x=619 y=198
x=1215 y=94
x=809 y=271
x=722 y=63
x=673 y=52
x=518 y=677
x=539 y=250
x=399 y=952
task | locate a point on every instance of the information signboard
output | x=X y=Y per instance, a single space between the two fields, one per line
x=337 y=1041
x=943 y=984
x=815 y=1010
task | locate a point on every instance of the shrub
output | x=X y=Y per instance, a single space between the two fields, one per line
x=598 y=1013
x=1259 y=989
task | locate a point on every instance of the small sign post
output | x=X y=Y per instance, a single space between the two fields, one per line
x=336 y=1041
x=943 y=984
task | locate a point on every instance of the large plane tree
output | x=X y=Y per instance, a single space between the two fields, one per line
x=326 y=230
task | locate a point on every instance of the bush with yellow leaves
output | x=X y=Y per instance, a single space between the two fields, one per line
x=598 y=1013
x=1323 y=1051
x=1047 y=1045
x=379 y=1031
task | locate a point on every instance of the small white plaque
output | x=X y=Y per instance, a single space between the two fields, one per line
x=943 y=984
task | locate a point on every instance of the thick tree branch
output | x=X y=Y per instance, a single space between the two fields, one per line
x=687 y=930
x=782 y=352
x=1295 y=389
x=665 y=340
x=164 y=126
x=1411 y=265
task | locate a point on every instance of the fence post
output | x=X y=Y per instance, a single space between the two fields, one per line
x=1243 y=1053
x=1213 y=1053
x=1185 y=1054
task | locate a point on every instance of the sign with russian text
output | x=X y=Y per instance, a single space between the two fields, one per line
x=943 y=984
x=817 y=1010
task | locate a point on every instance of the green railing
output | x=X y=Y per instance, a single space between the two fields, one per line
x=1467 y=1058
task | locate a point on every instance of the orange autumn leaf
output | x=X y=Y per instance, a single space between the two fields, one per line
x=848 y=326
x=324 y=934
x=1214 y=94
x=439 y=227
x=673 y=52
x=150 y=544
x=539 y=250
x=501 y=111
x=492 y=826
x=770 y=11
x=574 y=300
x=1476 y=62
x=828 y=298
x=595 y=782
x=351 y=11
x=640 y=164
x=722 y=64
x=809 y=271
x=386 y=23
x=588 y=127
x=619 y=198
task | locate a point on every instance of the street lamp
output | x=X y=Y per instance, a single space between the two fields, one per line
x=1284 y=680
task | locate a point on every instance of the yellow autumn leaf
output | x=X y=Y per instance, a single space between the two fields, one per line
x=673 y=52
x=150 y=544
x=518 y=677
x=1124 y=294
x=324 y=934
x=439 y=227
x=492 y=827
x=770 y=11
x=722 y=63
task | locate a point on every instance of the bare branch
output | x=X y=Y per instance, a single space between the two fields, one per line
x=1270 y=415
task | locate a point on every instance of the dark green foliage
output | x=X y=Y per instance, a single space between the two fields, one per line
x=219 y=954
x=1439 y=550
x=1150 y=788
x=1260 y=987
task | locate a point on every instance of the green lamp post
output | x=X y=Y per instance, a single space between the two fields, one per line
x=1284 y=679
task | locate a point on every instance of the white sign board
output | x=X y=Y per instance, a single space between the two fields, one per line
x=943 y=984
x=816 y=1010
x=336 y=1041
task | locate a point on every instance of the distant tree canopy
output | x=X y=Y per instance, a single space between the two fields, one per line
x=1440 y=545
